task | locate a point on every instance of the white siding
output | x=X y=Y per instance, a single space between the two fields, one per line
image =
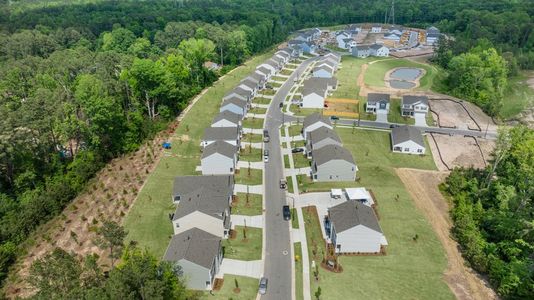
x=322 y=73
x=205 y=143
x=336 y=170
x=199 y=220
x=195 y=275
x=223 y=123
x=358 y=239
x=217 y=164
x=313 y=101
x=408 y=147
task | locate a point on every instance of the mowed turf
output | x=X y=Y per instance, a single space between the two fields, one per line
x=374 y=76
x=248 y=288
x=147 y=222
x=410 y=270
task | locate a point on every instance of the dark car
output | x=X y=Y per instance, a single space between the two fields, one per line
x=263 y=286
x=393 y=126
x=297 y=150
x=334 y=118
x=281 y=104
x=286 y=212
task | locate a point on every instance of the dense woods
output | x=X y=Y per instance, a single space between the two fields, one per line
x=493 y=214
x=81 y=84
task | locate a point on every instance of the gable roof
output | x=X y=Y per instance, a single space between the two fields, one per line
x=249 y=83
x=220 y=133
x=377 y=46
x=256 y=77
x=407 y=133
x=352 y=213
x=229 y=116
x=327 y=61
x=220 y=147
x=432 y=30
x=234 y=100
x=410 y=99
x=263 y=69
x=324 y=67
x=314 y=118
x=323 y=133
x=376 y=97
x=194 y=245
x=239 y=91
x=333 y=55
x=331 y=152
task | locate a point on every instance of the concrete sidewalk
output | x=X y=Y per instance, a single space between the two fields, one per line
x=253 y=130
x=259 y=165
x=253 y=145
x=256 y=116
x=253 y=189
x=259 y=105
x=250 y=221
x=251 y=268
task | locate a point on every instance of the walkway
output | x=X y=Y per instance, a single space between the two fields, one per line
x=258 y=165
x=253 y=189
x=251 y=221
x=250 y=268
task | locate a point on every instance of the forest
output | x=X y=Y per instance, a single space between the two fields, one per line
x=81 y=84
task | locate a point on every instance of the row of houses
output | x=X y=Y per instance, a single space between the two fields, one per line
x=410 y=104
x=330 y=161
x=305 y=42
x=363 y=51
x=316 y=89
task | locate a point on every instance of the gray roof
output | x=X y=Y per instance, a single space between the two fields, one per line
x=376 y=46
x=273 y=62
x=263 y=70
x=207 y=193
x=326 y=68
x=314 y=118
x=314 y=86
x=323 y=133
x=283 y=53
x=343 y=32
x=331 y=152
x=220 y=147
x=249 y=83
x=328 y=62
x=295 y=42
x=409 y=99
x=239 y=91
x=220 y=133
x=433 y=35
x=332 y=54
x=256 y=77
x=194 y=245
x=236 y=101
x=407 y=133
x=227 y=115
x=352 y=213
x=376 y=97
x=361 y=48
x=377 y=25
x=432 y=30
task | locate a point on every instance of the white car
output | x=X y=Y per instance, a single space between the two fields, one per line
x=265 y=156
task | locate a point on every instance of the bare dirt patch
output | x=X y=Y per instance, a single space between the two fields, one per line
x=423 y=187
x=459 y=151
x=452 y=115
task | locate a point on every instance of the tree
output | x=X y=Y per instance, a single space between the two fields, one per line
x=111 y=236
x=120 y=40
x=318 y=293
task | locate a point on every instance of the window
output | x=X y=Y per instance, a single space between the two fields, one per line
x=177 y=198
x=397 y=149
x=406 y=149
x=420 y=150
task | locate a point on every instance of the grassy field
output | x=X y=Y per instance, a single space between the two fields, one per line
x=241 y=248
x=147 y=222
x=261 y=100
x=250 y=154
x=252 y=177
x=252 y=208
x=254 y=123
x=298 y=271
x=251 y=138
x=410 y=270
x=517 y=97
x=248 y=289
x=374 y=76
x=347 y=76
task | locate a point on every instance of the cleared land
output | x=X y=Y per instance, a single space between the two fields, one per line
x=459 y=151
x=518 y=96
x=452 y=114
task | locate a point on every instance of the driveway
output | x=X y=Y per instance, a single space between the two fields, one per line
x=251 y=221
x=250 y=268
x=320 y=200
x=253 y=189
x=381 y=116
x=420 y=119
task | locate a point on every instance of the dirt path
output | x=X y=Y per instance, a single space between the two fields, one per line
x=423 y=187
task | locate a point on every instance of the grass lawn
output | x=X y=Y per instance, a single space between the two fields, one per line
x=375 y=73
x=250 y=154
x=289 y=184
x=297 y=144
x=295 y=130
x=147 y=222
x=258 y=110
x=517 y=96
x=251 y=138
x=252 y=177
x=410 y=270
x=394 y=114
x=282 y=132
x=254 y=123
x=300 y=161
x=261 y=100
x=278 y=78
x=286 y=162
x=244 y=249
x=268 y=92
x=252 y=208
x=294 y=219
x=275 y=84
x=347 y=76
x=286 y=71
x=248 y=289
x=303 y=112
x=298 y=271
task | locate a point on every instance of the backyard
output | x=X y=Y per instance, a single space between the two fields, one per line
x=242 y=248
x=411 y=267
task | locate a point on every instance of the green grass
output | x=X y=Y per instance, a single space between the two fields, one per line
x=282 y=132
x=147 y=221
x=268 y=92
x=375 y=73
x=250 y=154
x=294 y=219
x=258 y=110
x=518 y=96
x=295 y=130
x=300 y=161
x=275 y=84
x=278 y=78
x=286 y=71
x=251 y=138
x=261 y=100
x=254 y=206
x=303 y=112
x=248 y=289
x=286 y=162
x=254 y=178
x=410 y=270
x=244 y=249
x=289 y=185
x=347 y=76
x=254 y=123
x=394 y=114
x=298 y=270
x=298 y=144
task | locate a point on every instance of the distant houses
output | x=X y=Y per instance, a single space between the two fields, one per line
x=407 y=139
x=376 y=28
x=363 y=51
x=432 y=35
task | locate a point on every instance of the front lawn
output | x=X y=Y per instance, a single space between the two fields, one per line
x=289 y=185
x=258 y=110
x=249 y=176
x=268 y=92
x=242 y=248
x=394 y=115
x=278 y=78
x=254 y=123
x=251 y=207
x=303 y=112
x=295 y=130
x=261 y=100
x=300 y=161
x=286 y=71
x=286 y=162
x=250 y=154
x=251 y=138
x=248 y=289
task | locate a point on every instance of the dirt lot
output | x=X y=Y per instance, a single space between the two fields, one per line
x=452 y=115
x=459 y=151
x=463 y=281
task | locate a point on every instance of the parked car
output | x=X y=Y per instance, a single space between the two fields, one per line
x=281 y=105
x=265 y=136
x=265 y=155
x=297 y=150
x=286 y=212
x=283 y=184
x=393 y=126
x=334 y=118
x=263 y=286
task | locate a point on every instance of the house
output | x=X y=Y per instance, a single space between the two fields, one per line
x=219 y=158
x=316 y=90
x=264 y=71
x=360 y=194
x=332 y=63
x=348 y=43
x=352 y=227
x=376 y=28
x=304 y=36
x=393 y=36
x=199 y=256
x=411 y=105
x=353 y=29
x=274 y=64
x=333 y=163
x=377 y=103
x=323 y=71
x=315 y=33
x=259 y=78
x=314 y=121
x=378 y=50
x=340 y=37
x=432 y=35
x=333 y=56
x=279 y=61
x=239 y=92
x=319 y=138
x=227 y=118
x=235 y=105
x=283 y=55
x=297 y=50
x=360 y=51
x=250 y=85
x=203 y=202
x=231 y=135
x=407 y=139
x=306 y=47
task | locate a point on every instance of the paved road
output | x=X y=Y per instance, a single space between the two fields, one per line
x=277 y=248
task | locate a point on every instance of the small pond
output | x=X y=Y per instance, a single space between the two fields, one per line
x=399 y=84
x=408 y=74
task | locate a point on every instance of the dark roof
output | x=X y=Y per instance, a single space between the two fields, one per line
x=314 y=86
x=220 y=147
x=236 y=101
x=239 y=91
x=256 y=77
x=376 y=46
x=433 y=35
x=283 y=53
x=227 y=115
x=295 y=42
x=352 y=213
x=407 y=133
x=432 y=30
x=249 y=83
x=314 y=118
x=194 y=245
x=220 y=133
x=409 y=99
x=323 y=133
x=207 y=193
x=331 y=152
x=328 y=62
x=360 y=48
x=376 y=97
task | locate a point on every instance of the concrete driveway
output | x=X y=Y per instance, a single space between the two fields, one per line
x=250 y=221
x=322 y=201
x=420 y=119
x=251 y=268
x=253 y=189
x=381 y=116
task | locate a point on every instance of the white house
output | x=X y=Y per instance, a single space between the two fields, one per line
x=227 y=118
x=219 y=158
x=314 y=121
x=377 y=103
x=378 y=50
x=283 y=55
x=411 y=105
x=259 y=78
x=340 y=37
x=407 y=139
x=235 y=105
x=241 y=93
x=231 y=135
x=333 y=163
x=361 y=51
x=334 y=56
x=319 y=138
x=265 y=71
x=352 y=227
x=316 y=90
x=199 y=256
x=249 y=85
x=392 y=37
x=376 y=28
x=328 y=61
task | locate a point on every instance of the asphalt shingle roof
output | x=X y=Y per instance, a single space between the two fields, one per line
x=229 y=116
x=314 y=118
x=331 y=152
x=352 y=213
x=376 y=97
x=407 y=133
x=236 y=101
x=220 y=133
x=409 y=99
x=194 y=245
x=220 y=147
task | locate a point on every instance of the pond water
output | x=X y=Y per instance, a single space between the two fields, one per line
x=409 y=74
x=399 y=84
